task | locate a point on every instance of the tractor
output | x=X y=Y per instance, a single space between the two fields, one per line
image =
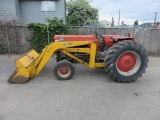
x=123 y=59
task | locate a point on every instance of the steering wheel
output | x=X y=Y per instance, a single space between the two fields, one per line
x=98 y=35
x=101 y=41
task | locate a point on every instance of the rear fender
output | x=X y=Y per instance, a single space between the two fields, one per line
x=120 y=38
x=110 y=40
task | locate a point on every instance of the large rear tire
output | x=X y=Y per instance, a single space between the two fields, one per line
x=125 y=61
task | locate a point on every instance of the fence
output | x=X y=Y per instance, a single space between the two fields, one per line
x=17 y=35
x=13 y=39
x=149 y=38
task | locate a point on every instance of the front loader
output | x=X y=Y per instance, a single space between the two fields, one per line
x=123 y=59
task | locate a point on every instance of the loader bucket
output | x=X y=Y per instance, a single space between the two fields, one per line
x=26 y=68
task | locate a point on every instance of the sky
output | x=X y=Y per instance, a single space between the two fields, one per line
x=131 y=10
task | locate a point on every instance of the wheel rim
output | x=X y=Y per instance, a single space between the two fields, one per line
x=128 y=63
x=64 y=71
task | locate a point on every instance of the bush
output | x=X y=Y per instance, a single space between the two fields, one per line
x=3 y=50
x=39 y=38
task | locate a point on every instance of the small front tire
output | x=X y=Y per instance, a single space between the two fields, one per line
x=64 y=70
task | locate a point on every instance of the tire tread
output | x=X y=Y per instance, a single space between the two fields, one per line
x=111 y=53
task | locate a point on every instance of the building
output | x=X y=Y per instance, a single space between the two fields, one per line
x=100 y=24
x=150 y=25
x=104 y=24
x=26 y=11
x=147 y=25
x=158 y=25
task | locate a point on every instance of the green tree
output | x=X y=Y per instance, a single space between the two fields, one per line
x=80 y=12
x=136 y=23
x=38 y=39
x=112 y=23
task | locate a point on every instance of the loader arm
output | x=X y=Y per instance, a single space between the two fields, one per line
x=30 y=64
x=50 y=50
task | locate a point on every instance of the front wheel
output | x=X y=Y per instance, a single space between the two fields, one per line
x=64 y=70
x=125 y=61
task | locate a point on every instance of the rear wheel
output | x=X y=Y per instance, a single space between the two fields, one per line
x=125 y=61
x=64 y=70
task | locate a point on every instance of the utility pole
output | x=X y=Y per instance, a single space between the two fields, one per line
x=155 y=18
x=47 y=21
x=119 y=17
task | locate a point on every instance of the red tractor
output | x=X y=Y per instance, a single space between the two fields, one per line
x=123 y=59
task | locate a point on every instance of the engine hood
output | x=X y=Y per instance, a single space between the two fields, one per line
x=75 y=38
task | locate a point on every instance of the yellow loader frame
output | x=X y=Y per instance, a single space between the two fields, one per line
x=30 y=64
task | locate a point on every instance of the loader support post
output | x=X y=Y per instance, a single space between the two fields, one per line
x=92 y=56
x=91 y=51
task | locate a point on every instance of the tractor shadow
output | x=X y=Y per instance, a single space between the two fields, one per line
x=85 y=73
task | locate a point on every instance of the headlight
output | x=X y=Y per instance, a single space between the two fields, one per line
x=61 y=38
x=112 y=39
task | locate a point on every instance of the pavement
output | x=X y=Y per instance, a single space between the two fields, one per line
x=89 y=95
